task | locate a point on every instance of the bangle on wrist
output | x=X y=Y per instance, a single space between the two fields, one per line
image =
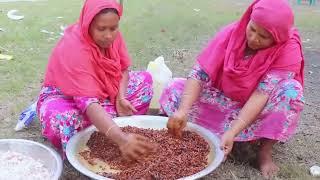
x=107 y=132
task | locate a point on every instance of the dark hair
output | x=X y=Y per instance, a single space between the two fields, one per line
x=108 y=10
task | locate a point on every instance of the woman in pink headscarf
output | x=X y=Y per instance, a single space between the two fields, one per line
x=88 y=82
x=247 y=83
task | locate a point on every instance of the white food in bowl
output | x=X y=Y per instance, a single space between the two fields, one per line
x=14 y=165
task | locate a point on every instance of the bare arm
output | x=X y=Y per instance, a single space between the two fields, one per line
x=190 y=95
x=123 y=85
x=123 y=106
x=178 y=120
x=131 y=146
x=249 y=112
x=247 y=116
x=104 y=122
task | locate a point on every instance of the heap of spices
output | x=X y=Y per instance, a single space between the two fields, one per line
x=173 y=159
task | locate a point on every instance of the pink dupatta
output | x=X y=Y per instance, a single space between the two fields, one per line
x=77 y=66
x=223 y=60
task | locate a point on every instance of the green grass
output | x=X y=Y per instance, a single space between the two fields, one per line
x=183 y=27
x=27 y=44
x=141 y=25
x=151 y=28
x=308 y=18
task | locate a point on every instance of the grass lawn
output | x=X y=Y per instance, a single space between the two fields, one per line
x=151 y=28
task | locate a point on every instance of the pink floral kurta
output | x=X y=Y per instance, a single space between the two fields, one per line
x=62 y=116
x=213 y=110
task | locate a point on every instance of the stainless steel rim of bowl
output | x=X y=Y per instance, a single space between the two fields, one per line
x=71 y=148
x=56 y=156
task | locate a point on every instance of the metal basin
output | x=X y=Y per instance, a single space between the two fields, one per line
x=155 y=122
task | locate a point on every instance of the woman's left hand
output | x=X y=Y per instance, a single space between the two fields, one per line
x=227 y=141
x=124 y=107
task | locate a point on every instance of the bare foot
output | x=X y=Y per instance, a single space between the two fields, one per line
x=267 y=167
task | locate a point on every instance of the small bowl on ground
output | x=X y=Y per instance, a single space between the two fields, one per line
x=37 y=151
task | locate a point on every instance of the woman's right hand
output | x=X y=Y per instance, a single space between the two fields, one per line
x=135 y=146
x=176 y=123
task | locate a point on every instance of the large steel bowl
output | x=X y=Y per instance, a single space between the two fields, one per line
x=79 y=140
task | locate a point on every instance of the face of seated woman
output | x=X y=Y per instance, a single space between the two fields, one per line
x=104 y=28
x=258 y=37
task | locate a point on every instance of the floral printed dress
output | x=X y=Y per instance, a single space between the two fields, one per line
x=62 y=116
x=214 y=111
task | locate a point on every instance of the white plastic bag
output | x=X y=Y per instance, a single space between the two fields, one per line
x=12 y=14
x=315 y=171
x=161 y=76
x=26 y=117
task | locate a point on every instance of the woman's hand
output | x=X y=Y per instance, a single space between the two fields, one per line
x=131 y=146
x=135 y=146
x=176 y=123
x=227 y=141
x=124 y=107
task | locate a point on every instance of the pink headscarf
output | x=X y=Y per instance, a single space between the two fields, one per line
x=78 y=67
x=223 y=60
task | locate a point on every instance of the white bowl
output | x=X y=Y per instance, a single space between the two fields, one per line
x=154 y=122
x=46 y=155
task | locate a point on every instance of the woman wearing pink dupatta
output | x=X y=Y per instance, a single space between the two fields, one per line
x=88 y=82
x=247 y=83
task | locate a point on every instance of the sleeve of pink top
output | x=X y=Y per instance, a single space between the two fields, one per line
x=199 y=74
